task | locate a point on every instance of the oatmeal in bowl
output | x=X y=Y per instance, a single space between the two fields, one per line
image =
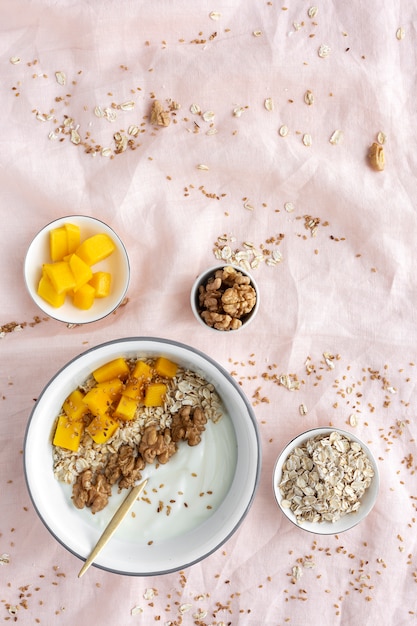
x=326 y=481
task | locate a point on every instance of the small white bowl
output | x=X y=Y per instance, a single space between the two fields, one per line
x=347 y=521
x=202 y=280
x=117 y=264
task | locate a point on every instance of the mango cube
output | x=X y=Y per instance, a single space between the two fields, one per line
x=60 y=275
x=68 y=433
x=126 y=409
x=58 y=243
x=95 y=248
x=155 y=394
x=112 y=387
x=73 y=237
x=74 y=406
x=134 y=389
x=98 y=400
x=118 y=368
x=101 y=428
x=80 y=270
x=83 y=298
x=101 y=281
x=165 y=367
x=142 y=370
x=47 y=292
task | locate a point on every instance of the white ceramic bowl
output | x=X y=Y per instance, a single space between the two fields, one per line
x=347 y=521
x=226 y=463
x=117 y=264
x=202 y=280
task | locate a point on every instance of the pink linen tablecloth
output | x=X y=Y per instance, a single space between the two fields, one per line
x=273 y=107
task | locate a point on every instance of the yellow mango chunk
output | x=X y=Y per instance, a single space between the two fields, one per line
x=68 y=433
x=95 y=248
x=47 y=292
x=73 y=237
x=142 y=370
x=118 y=368
x=112 y=387
x=102 y=428
x=155 y=394
x=80 y=270
x=60 y=275
x=98 y=400
x=83 y=298
x=58 y=243
x=101 y=281
x=126 y=408
x=165 y=367
x=134 y=389
x=74 y=406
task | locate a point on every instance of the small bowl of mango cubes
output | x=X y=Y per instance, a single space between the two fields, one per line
x=77 y=270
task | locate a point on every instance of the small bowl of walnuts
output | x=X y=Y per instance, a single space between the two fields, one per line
x=225 y=298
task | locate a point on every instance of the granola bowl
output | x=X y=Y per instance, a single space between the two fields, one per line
x=225 y=298
x=326 y=481
x=66 y=306
x=193 y=502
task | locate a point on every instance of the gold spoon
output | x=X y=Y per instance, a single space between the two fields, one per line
x=113 y=524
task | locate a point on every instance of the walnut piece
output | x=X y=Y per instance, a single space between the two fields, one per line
x=226 y=298
x=95 y=495
x=377 y=157
x=188 y=424
x=156 y=445
x=159 y=117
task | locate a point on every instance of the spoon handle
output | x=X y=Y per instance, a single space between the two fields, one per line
x=113 y=524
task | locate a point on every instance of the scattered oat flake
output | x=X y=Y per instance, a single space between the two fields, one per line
x=75 y=136
x=127 y=106
x=208 y=116
x=283 y=130
x=297 y=572
x=202 y=167
x=98 y=111
x=312 y=12
x=215 y=15
x=269 y=104
x=61 y=78
x=353 y=420
x=184 y=608
x=195 y=109
x=237 y=111
x=303 y=409
x=150 y=593
x=15 y=60
x=400 y=34
x=289 y=207
x=324 y=51
x=307 y=140
x=137 y=610
x=248 y=206
x=106 y=152
x=4 y=559
x=336 y=137
x=257 y=33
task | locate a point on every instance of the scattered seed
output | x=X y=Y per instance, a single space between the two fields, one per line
x=303 y=409
x=283 y=130
x=308 y=97
x=400 y=34
x=381 y=138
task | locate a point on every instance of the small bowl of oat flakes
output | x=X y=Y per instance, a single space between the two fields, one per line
x=326 y=481
x=225 y=298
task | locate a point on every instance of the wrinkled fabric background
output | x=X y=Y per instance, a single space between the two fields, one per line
x=349 y=290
